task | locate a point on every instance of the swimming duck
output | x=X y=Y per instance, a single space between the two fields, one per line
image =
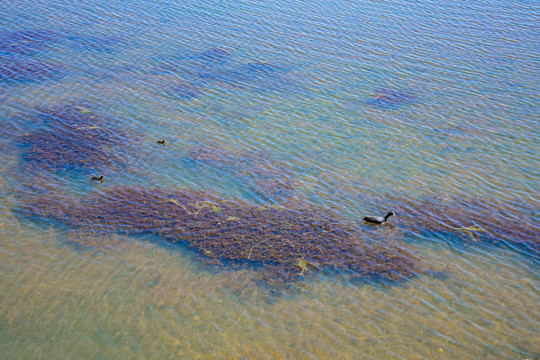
x=378 y=219
x=161 y=142
x=95 y=178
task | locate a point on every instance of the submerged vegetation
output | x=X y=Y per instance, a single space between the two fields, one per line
x=27 y=70
x=73 y=137
x=183 y=91
x=188 y=63
x=284 y=243
x=251 y=75
x=32 y=41
x=211 y=56
x=471 y=219
x=95 y=43
x=26 y=42
x=281 y=243
x=387 y=99
x=191 y=73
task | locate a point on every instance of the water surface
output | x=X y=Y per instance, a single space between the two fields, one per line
x=357 y=108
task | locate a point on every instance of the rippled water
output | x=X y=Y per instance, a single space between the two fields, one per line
x=427 y=108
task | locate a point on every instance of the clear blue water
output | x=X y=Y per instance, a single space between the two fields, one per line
x=357 y=107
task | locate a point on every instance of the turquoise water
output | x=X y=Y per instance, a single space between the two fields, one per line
x=356 y=107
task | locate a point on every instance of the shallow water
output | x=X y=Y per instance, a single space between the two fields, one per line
x=345 y=107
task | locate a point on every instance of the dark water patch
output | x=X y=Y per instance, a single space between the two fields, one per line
x=169 y=67
x=389 y=99
x=175 y=79
x=452 y=135
x=27 y=42
x=270 y=178
x=255 y=69
x=104 y=44
x=72 y=136
x=205 y=58
x=214 y=56
x=184 y=91
x=287 y=243
x=191 y=63
x=253 y=75
x=469 y=219
x=30 y=42
x=215 y=68
x=20 y=70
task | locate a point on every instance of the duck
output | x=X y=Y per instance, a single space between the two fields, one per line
x=161 y=142
x=378 y=219
x=95 y=178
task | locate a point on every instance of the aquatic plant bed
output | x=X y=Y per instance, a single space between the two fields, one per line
x=73 y=137
x=287 y=243
x=472 y=219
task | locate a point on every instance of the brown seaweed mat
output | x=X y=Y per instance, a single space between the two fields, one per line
x=288 y=244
